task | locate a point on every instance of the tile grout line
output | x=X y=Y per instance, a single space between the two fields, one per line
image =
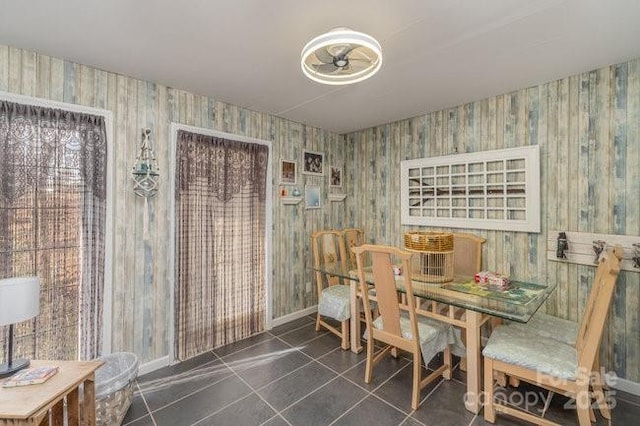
x=253 y=391
x=292 y=330
x=266 y=332
x=146 y=405
x=338 y=374
x=371 y=393
x=189 y=394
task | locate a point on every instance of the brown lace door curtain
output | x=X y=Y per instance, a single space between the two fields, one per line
x=220 y=239
x=53 y=166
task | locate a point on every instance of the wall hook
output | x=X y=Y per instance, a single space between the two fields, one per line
x=562 y=246
x=598 y=247
x=636 y=255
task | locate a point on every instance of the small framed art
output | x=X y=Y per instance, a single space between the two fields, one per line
x=335 y=177
x=312 y=197
x=288 y=172
x=312 y=163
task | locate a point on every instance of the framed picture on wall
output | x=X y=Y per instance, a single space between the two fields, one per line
x=312 y=163
x=312 y=197
x=335 y=177
x=288 y=172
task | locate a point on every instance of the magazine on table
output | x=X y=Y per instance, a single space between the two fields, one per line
x=30 y=376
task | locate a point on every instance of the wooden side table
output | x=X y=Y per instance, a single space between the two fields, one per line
x=30 y=405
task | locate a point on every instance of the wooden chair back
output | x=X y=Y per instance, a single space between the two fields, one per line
x=597 y=308
x=382 y=259
x=328 y=247
x=353 y=237
x=467 y=254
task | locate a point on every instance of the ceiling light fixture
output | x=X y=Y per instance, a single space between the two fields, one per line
x=341 y=56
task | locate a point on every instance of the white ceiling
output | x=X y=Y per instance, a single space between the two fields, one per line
x=436 y=53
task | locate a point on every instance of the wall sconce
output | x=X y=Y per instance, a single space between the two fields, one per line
x=145 y=169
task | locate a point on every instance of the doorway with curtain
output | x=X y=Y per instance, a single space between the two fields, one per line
x=222 y=187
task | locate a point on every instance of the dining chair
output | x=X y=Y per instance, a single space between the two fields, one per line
x=570 y=369
x=467 y=253
x=467 y=261
x=546 y=326
x=353 y=237
x=398 y=326
x=328 y=246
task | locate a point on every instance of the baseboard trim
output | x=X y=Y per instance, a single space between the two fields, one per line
x=154 y=365
x=293 y=316
x=623 y=384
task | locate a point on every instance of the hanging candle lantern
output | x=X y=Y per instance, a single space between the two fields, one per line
x=145 y=169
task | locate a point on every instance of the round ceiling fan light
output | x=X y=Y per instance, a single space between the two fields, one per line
x=346 y=49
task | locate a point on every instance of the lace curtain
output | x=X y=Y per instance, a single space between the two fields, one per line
x=52 y=223
x=220 y=217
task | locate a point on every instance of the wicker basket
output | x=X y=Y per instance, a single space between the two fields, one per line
x=428 y=241
x=114 y=383
x=111 y=409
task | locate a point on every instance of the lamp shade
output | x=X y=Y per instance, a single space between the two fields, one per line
x=19 y=299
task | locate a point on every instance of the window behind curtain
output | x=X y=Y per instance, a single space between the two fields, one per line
x=220 y=250
x=52 y=224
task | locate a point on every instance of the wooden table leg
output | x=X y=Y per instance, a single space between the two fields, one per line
x=474 y=362
x=355 y=332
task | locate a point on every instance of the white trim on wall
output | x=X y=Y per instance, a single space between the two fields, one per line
x=173 y=133
x=109 y=234
x=623 y=384
x=294 y=316
x=154 y=365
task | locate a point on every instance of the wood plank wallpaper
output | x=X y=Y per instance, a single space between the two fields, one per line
x=587 y=127
x=140 y=317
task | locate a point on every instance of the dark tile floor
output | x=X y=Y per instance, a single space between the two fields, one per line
x=293 y=375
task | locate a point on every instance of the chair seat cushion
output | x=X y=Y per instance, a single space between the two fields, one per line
x=435 y=336
x=334 y=302
x=516 y=346
x=552 y=327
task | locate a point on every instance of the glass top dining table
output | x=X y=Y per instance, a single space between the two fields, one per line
x=517 y=303
x=460 y=302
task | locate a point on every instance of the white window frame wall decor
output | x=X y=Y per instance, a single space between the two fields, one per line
x=497 y=189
